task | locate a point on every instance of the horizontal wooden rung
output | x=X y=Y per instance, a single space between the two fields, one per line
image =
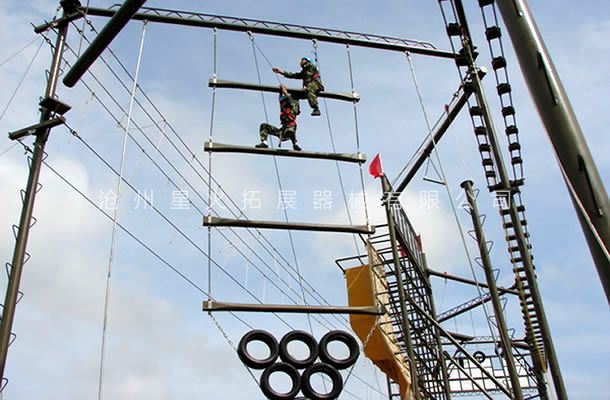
x=296 y=93
x=298 y=226
x=213 y=147
x=210 y=306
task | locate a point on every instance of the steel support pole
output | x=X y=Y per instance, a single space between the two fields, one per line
x=582 y=177
x=387 y=189
x=493 y=290
x=12 y=290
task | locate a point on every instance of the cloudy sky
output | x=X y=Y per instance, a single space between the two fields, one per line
x=159 y=345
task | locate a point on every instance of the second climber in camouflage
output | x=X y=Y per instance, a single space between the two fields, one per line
x=312 y=83
x=289 y=109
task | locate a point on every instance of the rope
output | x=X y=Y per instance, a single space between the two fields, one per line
x=332 y=143
x=210 y=169
x=82 y=33
x=451 y=201
x=19 y=51
x=351 y=78
x=21 y=80
x=115 y=216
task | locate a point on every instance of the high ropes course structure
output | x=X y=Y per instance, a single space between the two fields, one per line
x=390 y=321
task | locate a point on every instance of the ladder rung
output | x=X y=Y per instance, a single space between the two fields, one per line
x=514 y=237
x=213 y=147
x=487 y=161
x=490 y=174
x=503 y=88
x=508 y=110
x=480 y=130
x=498 y=62
x=506 y=211
x=513 y=249
x=511 y=130
x=516 y=160
x=509 y=224
x=514 y=146
x=476 y=111
x=483 y=3
x=245 y=223
x=484 y=147
x=493 y=32
x=454 y=29
x=297 y=93
x=517 y=182
x=210 y=305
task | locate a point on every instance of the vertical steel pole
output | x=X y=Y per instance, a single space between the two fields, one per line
x=582 y=177
x=493 y=291
x=401 y=289
x=12 y=290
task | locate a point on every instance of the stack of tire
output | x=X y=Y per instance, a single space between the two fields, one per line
x=290 y=365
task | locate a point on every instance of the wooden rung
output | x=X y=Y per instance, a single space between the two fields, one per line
x=213 y=147
x=297 y=93
x=210 y=305
x=298 y=226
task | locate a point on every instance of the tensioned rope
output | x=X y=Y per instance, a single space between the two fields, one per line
x=451 y=201
x=116 y=214
x=25 y=73
x=212 y=108
x=332 y=143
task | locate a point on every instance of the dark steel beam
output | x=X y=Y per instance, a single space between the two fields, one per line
x=212 y=306
x=102 y=41
x=493 y=291
x=25 y=221
x=296 y=93
x=299 y=226
x=468 y=281
x=580 y=172
x=213 y=147
x=435 y=136
x=280 y=29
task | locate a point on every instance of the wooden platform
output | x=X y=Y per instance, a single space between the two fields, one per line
x=298 y=226
x=298 y=94
x=213 y=147
x=213 y=306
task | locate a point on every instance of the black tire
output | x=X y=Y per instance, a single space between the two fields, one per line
x=328 y=370
x=303 y=337
x=291 y=371
x=479 y=356
x=348 y=340
x=261 y=336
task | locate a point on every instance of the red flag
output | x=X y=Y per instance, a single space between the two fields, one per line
x=375 y=167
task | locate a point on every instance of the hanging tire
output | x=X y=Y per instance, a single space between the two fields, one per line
x=289 y=370
x=260 y=336
x=329 y=371
x=303 y=337
x=345 y=338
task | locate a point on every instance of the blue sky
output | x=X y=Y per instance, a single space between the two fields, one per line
x=160 y=345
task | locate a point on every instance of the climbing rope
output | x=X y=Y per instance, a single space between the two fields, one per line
x=116 y=214
x=451 y=200
x=210 y=164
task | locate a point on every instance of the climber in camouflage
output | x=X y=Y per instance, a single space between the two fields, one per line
x=312 y=84
x=289 y=109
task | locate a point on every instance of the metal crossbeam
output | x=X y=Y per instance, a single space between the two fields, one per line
x=201 y=20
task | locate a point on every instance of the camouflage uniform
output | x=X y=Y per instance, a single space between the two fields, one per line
x=312 y=83
x=289 y=108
